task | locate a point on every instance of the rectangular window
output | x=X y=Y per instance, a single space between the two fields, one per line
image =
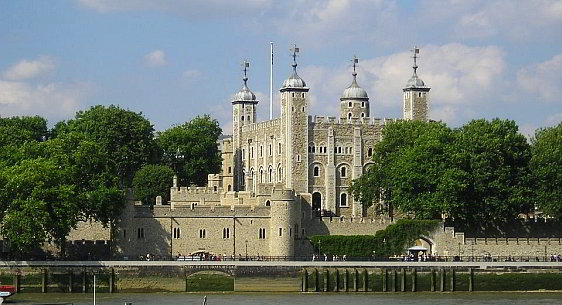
x=202 y=233
x=262 y=233
x=270 y=150
x=280 y=231
x=226 y=233
x=124 y=233
x=279 y=148
x=176 y=233
x=140 y=233
x=243 y=153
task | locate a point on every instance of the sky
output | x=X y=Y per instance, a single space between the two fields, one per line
x=173 y=60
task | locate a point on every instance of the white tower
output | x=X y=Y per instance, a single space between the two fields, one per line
x=416 y=95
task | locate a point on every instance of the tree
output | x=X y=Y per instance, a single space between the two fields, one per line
x=546 y=166
x=19 y=130
x=411 y=164
x=151 y=181
x=191 y=149
x=125 y=136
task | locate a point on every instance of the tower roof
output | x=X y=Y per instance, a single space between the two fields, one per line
x=245 y=94
x=415 y=81
x=294 y=81
x=354 y=91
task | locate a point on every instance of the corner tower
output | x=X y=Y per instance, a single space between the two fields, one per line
x=354 y=102
x=294 y=129
x=244 y=106
x=416 y=95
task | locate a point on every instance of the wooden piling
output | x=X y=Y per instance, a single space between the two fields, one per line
x=452 y=287
x=384 y=276
x=70 y=283
x=432 y=280
x=305 y=281
x=470 y=279
x=365 y=280
x=337 y=288
x=316 y=281
x=326 y=280
x=355 y=280
x=414 y=280
x=402 y=280
x=442 y=280
x=44 y=281
x=84 y=281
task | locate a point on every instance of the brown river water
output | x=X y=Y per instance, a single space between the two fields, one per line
x=457 y=298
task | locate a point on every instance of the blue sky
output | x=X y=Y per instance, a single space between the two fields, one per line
x=175 y=59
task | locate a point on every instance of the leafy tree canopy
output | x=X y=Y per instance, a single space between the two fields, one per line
x=19 y=130
x=151 y=181
x=191 y=149
x=546 y=165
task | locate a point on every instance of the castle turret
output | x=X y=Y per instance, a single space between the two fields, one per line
x=416 y=95
x=354 y=102
x=294 y=120
x=285 y=217
x=244 y=106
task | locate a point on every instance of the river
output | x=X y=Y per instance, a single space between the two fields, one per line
x=457 y=298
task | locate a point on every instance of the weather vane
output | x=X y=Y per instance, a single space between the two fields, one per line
x=416 y=51
x=295 y=50
x=355 y=61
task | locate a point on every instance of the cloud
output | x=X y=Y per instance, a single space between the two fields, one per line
x=193 y=8
x=26 y=69
x=192 y=74
x=543 y=79
x=461 y=78
x=156 y=58
x=22 y=94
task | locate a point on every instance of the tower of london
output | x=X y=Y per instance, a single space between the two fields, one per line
x=281 y=180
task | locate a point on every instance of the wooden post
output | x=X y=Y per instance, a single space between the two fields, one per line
x=305 y=281
x=402 y=280
x=84 y=281
x=374 y=280
x=44 y=281
x=414 y=280
x=346 y=280
x=394 y=280
x=442 y=280
x=365 y=280
x=326 y=280
x=70 y=284
x=337 y=288
x=316 y=281
x=432 y=280
x=17 y=282
x=112 y=281
x=356 y=280
x=470 y=279
x=384 y=275
x=452 y=288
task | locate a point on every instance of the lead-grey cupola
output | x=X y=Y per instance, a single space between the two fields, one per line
x=354 y=92
x=245 y=94
x=294 y=81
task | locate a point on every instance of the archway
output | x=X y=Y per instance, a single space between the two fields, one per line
x=316 y=201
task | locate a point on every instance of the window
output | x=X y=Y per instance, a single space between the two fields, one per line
x=262 y=180
x=248 y=118
x=230 y=170
x=343 y=200
x=229 y=188
x=362 y=114
x=215 y=188
x=242 y=118
x=280 y=231
x=370 y=152
x=419 y=94
x=124 y=233
x=350 y=104
x=279 y=148
x=140 y=233
x=261 y=151
x=268 y=203
x=290 y=232
x=270 y=150
x=316 y=171
x=270 y=172
x=363 y=104
x=339 y=150
x=349 y=116
x=302 y=109
x=202 y=233
x=343 y=171
x=298 y=158
x=243 y=154
x=226 y=233
x=262 y=233
x=176 y=233
x=252 y=152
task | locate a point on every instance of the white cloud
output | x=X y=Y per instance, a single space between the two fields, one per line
x=543 y=79
x=156 y=58
x=192 y=8
x=462 y=79
x=22 y=94
x=192 y=74
x=26 y=69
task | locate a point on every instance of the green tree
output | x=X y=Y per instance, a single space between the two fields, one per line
x=125 y=136
x=191 y=149
x=151 y=181
x=546 y=165
x=19 y=130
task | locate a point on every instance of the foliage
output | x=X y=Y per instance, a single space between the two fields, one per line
x=191 y=149
x=19 y=130
x=125 y=136
x=393 y=240
x=546 y=166
x=477 y=175
x=151 y=181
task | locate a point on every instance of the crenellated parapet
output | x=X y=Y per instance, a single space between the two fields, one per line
x=261 y=126
x=355 y=121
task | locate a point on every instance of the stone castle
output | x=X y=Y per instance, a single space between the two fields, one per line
x=283 y=180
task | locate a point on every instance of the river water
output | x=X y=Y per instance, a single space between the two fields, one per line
x=457 y=298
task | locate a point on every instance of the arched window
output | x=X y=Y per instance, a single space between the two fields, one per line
x=270 y=173
x=349 y=104
x=243 y=178
x=242 y=118
x=279 y=172
x=362 y=114
x=316 y=171
x=262 y=180
x=268 y=203
x=343 y=200
x=370 y=152
x=229 y=188
x=349 y=116
x=343 y=171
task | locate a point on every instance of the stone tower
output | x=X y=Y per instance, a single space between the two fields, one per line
x=244 y=106
x=416 y=95
x=294 y=129
x=354 y=102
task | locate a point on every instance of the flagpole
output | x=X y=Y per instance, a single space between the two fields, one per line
x=271 y=84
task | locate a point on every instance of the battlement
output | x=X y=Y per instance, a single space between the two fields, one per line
x=207 y=211
x=355 y=121
x=282 y=194
x=261 y=125
x=355 y=220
